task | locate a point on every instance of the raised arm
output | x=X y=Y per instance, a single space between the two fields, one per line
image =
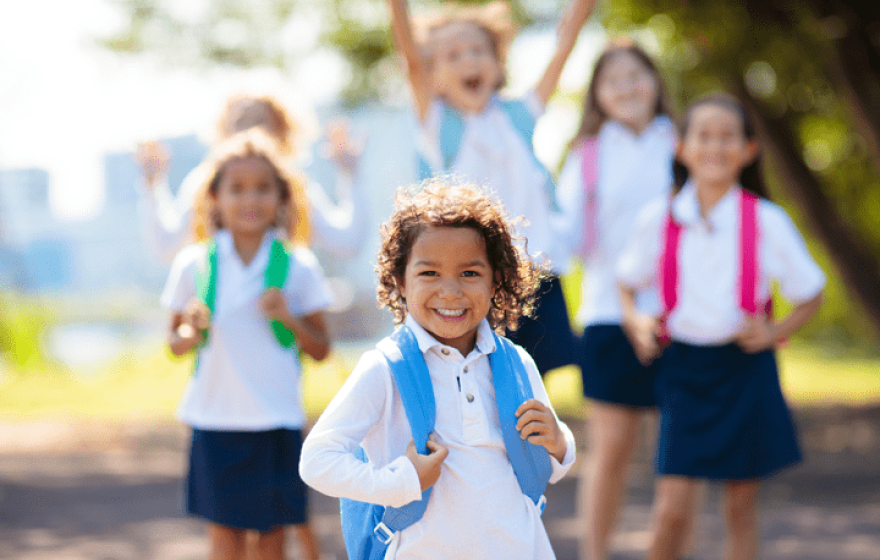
x=569 y=27
x=417 y=67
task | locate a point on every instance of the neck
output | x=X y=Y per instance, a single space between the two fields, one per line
x=247 y=245
x=708 y=195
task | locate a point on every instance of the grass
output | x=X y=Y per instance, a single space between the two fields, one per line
x=148 y=383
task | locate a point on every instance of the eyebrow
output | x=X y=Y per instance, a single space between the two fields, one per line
x=471 y=264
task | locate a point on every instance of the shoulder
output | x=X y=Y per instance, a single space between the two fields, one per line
x=774 y=221
x=654 y=212
x=191 y=256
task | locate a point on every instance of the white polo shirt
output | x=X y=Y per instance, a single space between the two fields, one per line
x=494 y=154
x=708 y=309
x=476 y=509
x=245 y=380
x=634 y=169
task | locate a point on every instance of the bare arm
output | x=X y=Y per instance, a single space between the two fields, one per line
x=417 y=68
x=575 y=17
x=640 y=329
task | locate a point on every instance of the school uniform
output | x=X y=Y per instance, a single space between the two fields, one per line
x=723 y=415
x=477 y=508
x=633 y=169
x=243 y=400
x=492 y=152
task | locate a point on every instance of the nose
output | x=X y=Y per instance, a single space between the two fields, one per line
x=450 y=288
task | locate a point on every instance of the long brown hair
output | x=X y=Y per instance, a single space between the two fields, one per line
x=594 y=116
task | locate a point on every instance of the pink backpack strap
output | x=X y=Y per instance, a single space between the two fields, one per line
x=589 y=152
x=748 y=249
x=668 y=273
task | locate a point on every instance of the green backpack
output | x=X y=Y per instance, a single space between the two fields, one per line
x=274 y=277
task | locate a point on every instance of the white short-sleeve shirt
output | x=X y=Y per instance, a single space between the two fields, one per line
x=708 y=309
x=476 y=508
x=494 y=154
x=634 y=169
x=245 y=380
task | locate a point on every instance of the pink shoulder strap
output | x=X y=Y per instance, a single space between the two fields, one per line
x=748 y=248
x=589 y=152
x=668 y=273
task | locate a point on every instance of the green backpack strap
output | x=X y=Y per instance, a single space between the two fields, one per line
x=275 y=276
x=206 y=282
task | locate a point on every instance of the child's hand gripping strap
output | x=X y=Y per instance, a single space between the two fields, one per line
x=589 y=152
x=368 y=528
x=531 y=463
x=274 y=277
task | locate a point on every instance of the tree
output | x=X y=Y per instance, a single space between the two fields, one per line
x=809 y=71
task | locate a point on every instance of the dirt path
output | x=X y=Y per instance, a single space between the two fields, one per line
x=90 y=490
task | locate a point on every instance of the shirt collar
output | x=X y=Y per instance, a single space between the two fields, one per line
x=686 y=207
x=660 y=127
x=485 y=337
x=226 y=248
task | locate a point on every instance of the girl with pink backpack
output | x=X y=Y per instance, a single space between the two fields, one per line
x=620 y=160
x=715 y=249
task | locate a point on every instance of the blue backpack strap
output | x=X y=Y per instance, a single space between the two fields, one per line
x=531 y=463
x=368 y=528
x=524 y=123
x=451 y=133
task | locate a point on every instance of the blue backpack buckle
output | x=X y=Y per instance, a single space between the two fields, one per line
x=383 y=533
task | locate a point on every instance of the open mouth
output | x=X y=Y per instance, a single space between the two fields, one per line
x=473 y=84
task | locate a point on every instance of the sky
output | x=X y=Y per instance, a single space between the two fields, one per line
x=64 y=101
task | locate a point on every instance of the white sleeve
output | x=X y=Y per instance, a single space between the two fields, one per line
x=636 y=266
x=568 y=222
x=540 y=393
x=788 y=260
x=533 y=103
x=328 y=464
x=181 y=284
x=165 y=219
x=339 y=228
x=306 y=288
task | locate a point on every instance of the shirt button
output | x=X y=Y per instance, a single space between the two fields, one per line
x=465 y=369
x=445 y=351
x=470 y=397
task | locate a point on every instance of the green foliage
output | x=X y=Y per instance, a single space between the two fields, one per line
x=22 y=323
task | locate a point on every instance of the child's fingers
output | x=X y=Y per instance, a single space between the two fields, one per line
x=437 y=451
x=531 y=404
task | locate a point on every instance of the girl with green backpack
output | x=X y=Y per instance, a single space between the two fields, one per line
x=247 y=305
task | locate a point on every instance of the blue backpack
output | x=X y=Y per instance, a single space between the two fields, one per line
x=368 y=528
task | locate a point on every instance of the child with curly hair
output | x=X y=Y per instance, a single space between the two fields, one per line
x=246 y=303
x=451 y=272
x=455 y=62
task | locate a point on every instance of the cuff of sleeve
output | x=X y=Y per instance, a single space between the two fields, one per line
x=404 y=468
x=560 y=469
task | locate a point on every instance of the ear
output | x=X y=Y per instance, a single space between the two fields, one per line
x=753 y=148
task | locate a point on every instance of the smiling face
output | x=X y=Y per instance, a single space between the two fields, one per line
x=248 y=196
x=448 y=284
x=628 y=91
x=466 y=69
x=715 y=148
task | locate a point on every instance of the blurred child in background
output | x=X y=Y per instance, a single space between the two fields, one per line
x=719 y=244
x=246 y=304
x=456 y=66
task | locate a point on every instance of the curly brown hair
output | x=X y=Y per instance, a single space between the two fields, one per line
x=243 y=112
x=494 y=19
x=445 y=202
x=293 y=213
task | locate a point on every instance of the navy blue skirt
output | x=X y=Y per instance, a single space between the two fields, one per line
x=246 y=480
x=722 y=414
x=610 y=370
x=547 y=335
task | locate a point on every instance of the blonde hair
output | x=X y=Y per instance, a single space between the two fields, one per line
x=293 y=212
x=444 y=202
x=494 y=19
x=245 y=111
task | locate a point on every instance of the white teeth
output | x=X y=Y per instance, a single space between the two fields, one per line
x=451 y=312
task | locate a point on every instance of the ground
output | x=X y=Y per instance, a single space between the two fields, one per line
x=111 y=490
